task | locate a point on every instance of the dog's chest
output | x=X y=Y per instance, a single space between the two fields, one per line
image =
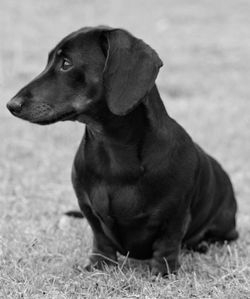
x=121 y=189
x=126 y=217
x=123 y=205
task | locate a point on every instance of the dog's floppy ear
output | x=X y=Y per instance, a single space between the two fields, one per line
x=130 y=70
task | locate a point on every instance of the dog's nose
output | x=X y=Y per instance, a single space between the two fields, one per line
x=15 y=105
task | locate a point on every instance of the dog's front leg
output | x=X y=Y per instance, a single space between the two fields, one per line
x=103 y=252
x=165 y=258
x=166 y=248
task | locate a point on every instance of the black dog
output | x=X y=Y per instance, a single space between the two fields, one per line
x=144 y=186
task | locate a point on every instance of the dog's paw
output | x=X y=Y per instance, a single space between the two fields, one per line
x=156 y=273
x=99 y=264
x=164 y=269
x=202 y=247
x=89 y=267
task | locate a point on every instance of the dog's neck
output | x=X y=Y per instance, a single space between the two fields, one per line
x=150 y=114
x=156 y=111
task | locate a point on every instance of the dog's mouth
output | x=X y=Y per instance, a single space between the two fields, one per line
x=71 y=115
x=15 y=113
x=45 y=115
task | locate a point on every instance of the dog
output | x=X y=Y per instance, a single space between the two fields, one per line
x=144 y=186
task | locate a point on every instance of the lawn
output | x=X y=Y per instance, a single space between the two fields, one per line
x=205 y=47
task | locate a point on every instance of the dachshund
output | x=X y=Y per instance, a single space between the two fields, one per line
x=143 y=185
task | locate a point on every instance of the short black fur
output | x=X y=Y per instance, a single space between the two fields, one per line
x=144 y=186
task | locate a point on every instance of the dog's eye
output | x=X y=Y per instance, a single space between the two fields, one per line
x=66 y=64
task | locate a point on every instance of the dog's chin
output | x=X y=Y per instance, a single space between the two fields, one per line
x=54 y=119
x=48 y=119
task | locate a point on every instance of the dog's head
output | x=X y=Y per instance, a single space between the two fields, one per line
x=88 y=66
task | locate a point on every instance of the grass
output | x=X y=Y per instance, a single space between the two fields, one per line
x=205 y=85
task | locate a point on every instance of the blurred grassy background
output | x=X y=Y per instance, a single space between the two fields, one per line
x=205 y=47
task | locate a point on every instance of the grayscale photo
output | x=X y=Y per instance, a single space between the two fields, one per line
x=125 y=149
